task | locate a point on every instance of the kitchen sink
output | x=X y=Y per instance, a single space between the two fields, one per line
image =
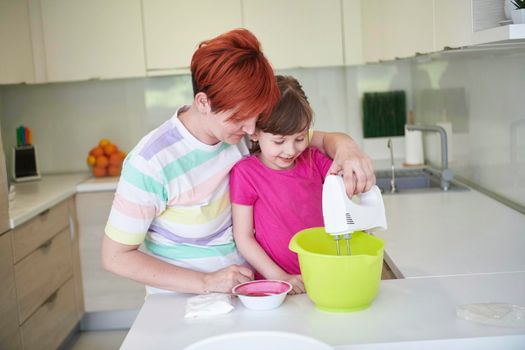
x=414 y=180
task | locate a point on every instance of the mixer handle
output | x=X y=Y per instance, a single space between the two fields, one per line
x=370 y=197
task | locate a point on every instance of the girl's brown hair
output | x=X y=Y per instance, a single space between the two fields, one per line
x=291 y=115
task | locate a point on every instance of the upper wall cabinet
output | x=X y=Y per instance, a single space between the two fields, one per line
x=95 y=39
x=174 y=28
x=453 y=23
x=395 y=29
x=352 y=32
x=297 y=33
x=16 y=63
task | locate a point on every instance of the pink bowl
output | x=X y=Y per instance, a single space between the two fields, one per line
x=262 y=294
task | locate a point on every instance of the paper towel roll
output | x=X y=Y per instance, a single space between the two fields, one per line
x=413 y=147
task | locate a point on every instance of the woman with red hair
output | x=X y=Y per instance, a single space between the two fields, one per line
x=173 y=194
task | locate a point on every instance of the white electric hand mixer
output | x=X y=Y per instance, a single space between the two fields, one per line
x=342 y=216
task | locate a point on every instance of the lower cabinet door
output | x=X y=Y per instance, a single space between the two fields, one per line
x=52 y=322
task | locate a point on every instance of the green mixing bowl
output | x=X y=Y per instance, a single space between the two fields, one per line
x=339 y=283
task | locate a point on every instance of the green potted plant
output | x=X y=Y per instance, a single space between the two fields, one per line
x=518 y=14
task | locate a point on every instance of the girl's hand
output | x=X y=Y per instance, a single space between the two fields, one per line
x=225 y=279
x=297 y=283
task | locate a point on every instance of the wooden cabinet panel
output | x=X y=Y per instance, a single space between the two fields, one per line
x=94 y=39
x=297 y=33
x=9 y=334
x=75 y=256
x=41 y=273
x=172 y=33
x=39 y=230
x=52 y=322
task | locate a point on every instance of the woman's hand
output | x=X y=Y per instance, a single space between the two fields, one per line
x=356 y=167
x=225 y=279
x=297 y=283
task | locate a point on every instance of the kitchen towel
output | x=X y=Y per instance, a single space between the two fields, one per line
x=208 y=305
x=413 y=147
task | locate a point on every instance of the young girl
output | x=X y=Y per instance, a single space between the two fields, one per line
x=276 y=192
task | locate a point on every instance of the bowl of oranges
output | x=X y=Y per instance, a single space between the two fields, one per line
x=105 y=159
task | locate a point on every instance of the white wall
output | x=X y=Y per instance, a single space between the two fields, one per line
x=482 y=95
x=68 y=119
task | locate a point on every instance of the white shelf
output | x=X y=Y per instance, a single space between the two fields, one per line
x=498 y=34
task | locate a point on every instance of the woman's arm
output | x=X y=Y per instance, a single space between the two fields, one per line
x=253 y=253
x=128 y=261
x=356 y=166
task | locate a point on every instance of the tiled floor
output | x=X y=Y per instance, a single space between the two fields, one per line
x=100 y=340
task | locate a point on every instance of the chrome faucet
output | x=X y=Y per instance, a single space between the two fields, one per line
x=393 y=188
x=446 y=173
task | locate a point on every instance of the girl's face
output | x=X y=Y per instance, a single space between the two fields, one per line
x=280 y=151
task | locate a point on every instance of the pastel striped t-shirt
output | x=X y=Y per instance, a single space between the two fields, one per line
x=173 y=196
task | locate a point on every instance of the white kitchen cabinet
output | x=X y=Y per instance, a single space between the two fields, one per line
x=396 y=29
x=297 y=33
x=174 y=28
x=453 y=23
x=94 y=39
x=373 y=26
x=103 y=290
x=16 y=62
x=352 y=32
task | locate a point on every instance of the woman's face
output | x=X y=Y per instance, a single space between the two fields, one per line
x=280 y=151
x=230 y=130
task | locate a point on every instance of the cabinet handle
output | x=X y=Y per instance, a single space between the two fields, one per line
x=46 y=244
x=51 y=298
x=44 y=212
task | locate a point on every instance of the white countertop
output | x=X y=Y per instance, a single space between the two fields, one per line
x=452 y=233
x=452 y=248
x=98 y=184
x=34 y=197
x=406 y=310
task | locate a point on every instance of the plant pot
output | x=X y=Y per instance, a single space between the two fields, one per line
x=518 y=16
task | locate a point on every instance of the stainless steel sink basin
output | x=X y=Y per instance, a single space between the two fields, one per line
x=414 y=180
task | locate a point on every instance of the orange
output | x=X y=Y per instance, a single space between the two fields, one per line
x=114 y=170
x=115 y=159
x=121 y=155
x=109 y=149
x=96 y=151
x=91 y=160
x=99 y=171
x=103 y=142
x=102 y=161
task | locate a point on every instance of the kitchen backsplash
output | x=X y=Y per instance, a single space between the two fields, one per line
x=478 y=93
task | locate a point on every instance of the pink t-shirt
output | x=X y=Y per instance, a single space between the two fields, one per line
x=284 y=201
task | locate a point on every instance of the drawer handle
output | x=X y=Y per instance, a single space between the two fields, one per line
x=46 y=244
x=45 y=212
x=51 y=298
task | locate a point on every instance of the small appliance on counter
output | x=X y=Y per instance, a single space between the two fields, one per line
x=334 y=281
x=25 y=165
